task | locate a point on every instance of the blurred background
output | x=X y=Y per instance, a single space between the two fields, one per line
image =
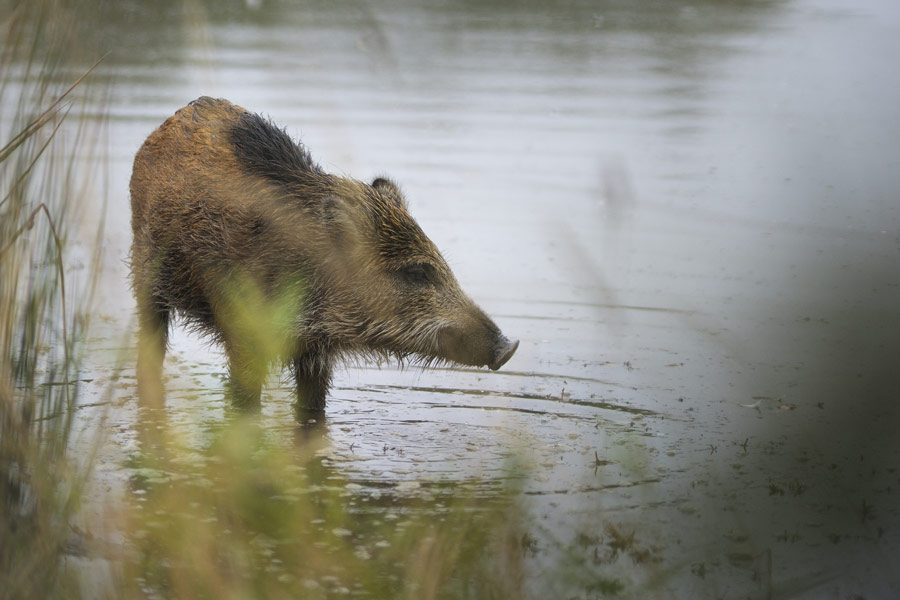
x=688 y=212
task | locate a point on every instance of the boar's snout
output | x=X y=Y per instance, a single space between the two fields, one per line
x=477 y=342
x=503 y=352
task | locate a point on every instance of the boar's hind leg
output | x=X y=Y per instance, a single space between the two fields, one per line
x=312 y=374
x=153 y=318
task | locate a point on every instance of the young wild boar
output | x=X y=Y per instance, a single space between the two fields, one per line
x=237 y=230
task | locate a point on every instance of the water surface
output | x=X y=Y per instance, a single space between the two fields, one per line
x=687 y=212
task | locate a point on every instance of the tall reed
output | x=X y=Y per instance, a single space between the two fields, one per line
x=42 y=316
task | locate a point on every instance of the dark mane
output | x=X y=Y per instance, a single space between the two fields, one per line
x=264 y=149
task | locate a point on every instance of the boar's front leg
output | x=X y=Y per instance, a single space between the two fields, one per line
x=245 y=374
x=312 y=374
x=153 y=317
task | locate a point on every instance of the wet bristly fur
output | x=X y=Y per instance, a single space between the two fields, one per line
x=238 y=231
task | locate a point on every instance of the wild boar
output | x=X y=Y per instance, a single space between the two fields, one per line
x=238 y=232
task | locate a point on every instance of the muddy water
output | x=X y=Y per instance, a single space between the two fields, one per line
x=687 y=212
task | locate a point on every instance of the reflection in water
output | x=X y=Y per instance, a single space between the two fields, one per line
x=687 y=212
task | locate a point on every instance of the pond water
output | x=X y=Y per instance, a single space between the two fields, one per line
x=687 y=212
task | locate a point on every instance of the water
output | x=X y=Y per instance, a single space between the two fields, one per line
x=687 y=212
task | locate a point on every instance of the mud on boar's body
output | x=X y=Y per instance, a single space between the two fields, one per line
x=240 y=233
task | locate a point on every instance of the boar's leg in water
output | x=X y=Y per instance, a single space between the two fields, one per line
x=312 y=375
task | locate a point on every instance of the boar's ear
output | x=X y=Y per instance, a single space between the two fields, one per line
x=385 y=185
x=389 y=189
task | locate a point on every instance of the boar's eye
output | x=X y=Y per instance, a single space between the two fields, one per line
x=417 y=273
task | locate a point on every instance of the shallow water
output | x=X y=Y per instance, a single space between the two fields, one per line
x=687 y=212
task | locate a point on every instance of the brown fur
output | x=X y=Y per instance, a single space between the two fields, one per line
x=240 y=233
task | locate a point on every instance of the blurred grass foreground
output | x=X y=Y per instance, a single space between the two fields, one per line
x=247 y=518
x=244 y=515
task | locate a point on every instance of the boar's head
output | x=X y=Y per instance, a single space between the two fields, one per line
x=404 y=299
